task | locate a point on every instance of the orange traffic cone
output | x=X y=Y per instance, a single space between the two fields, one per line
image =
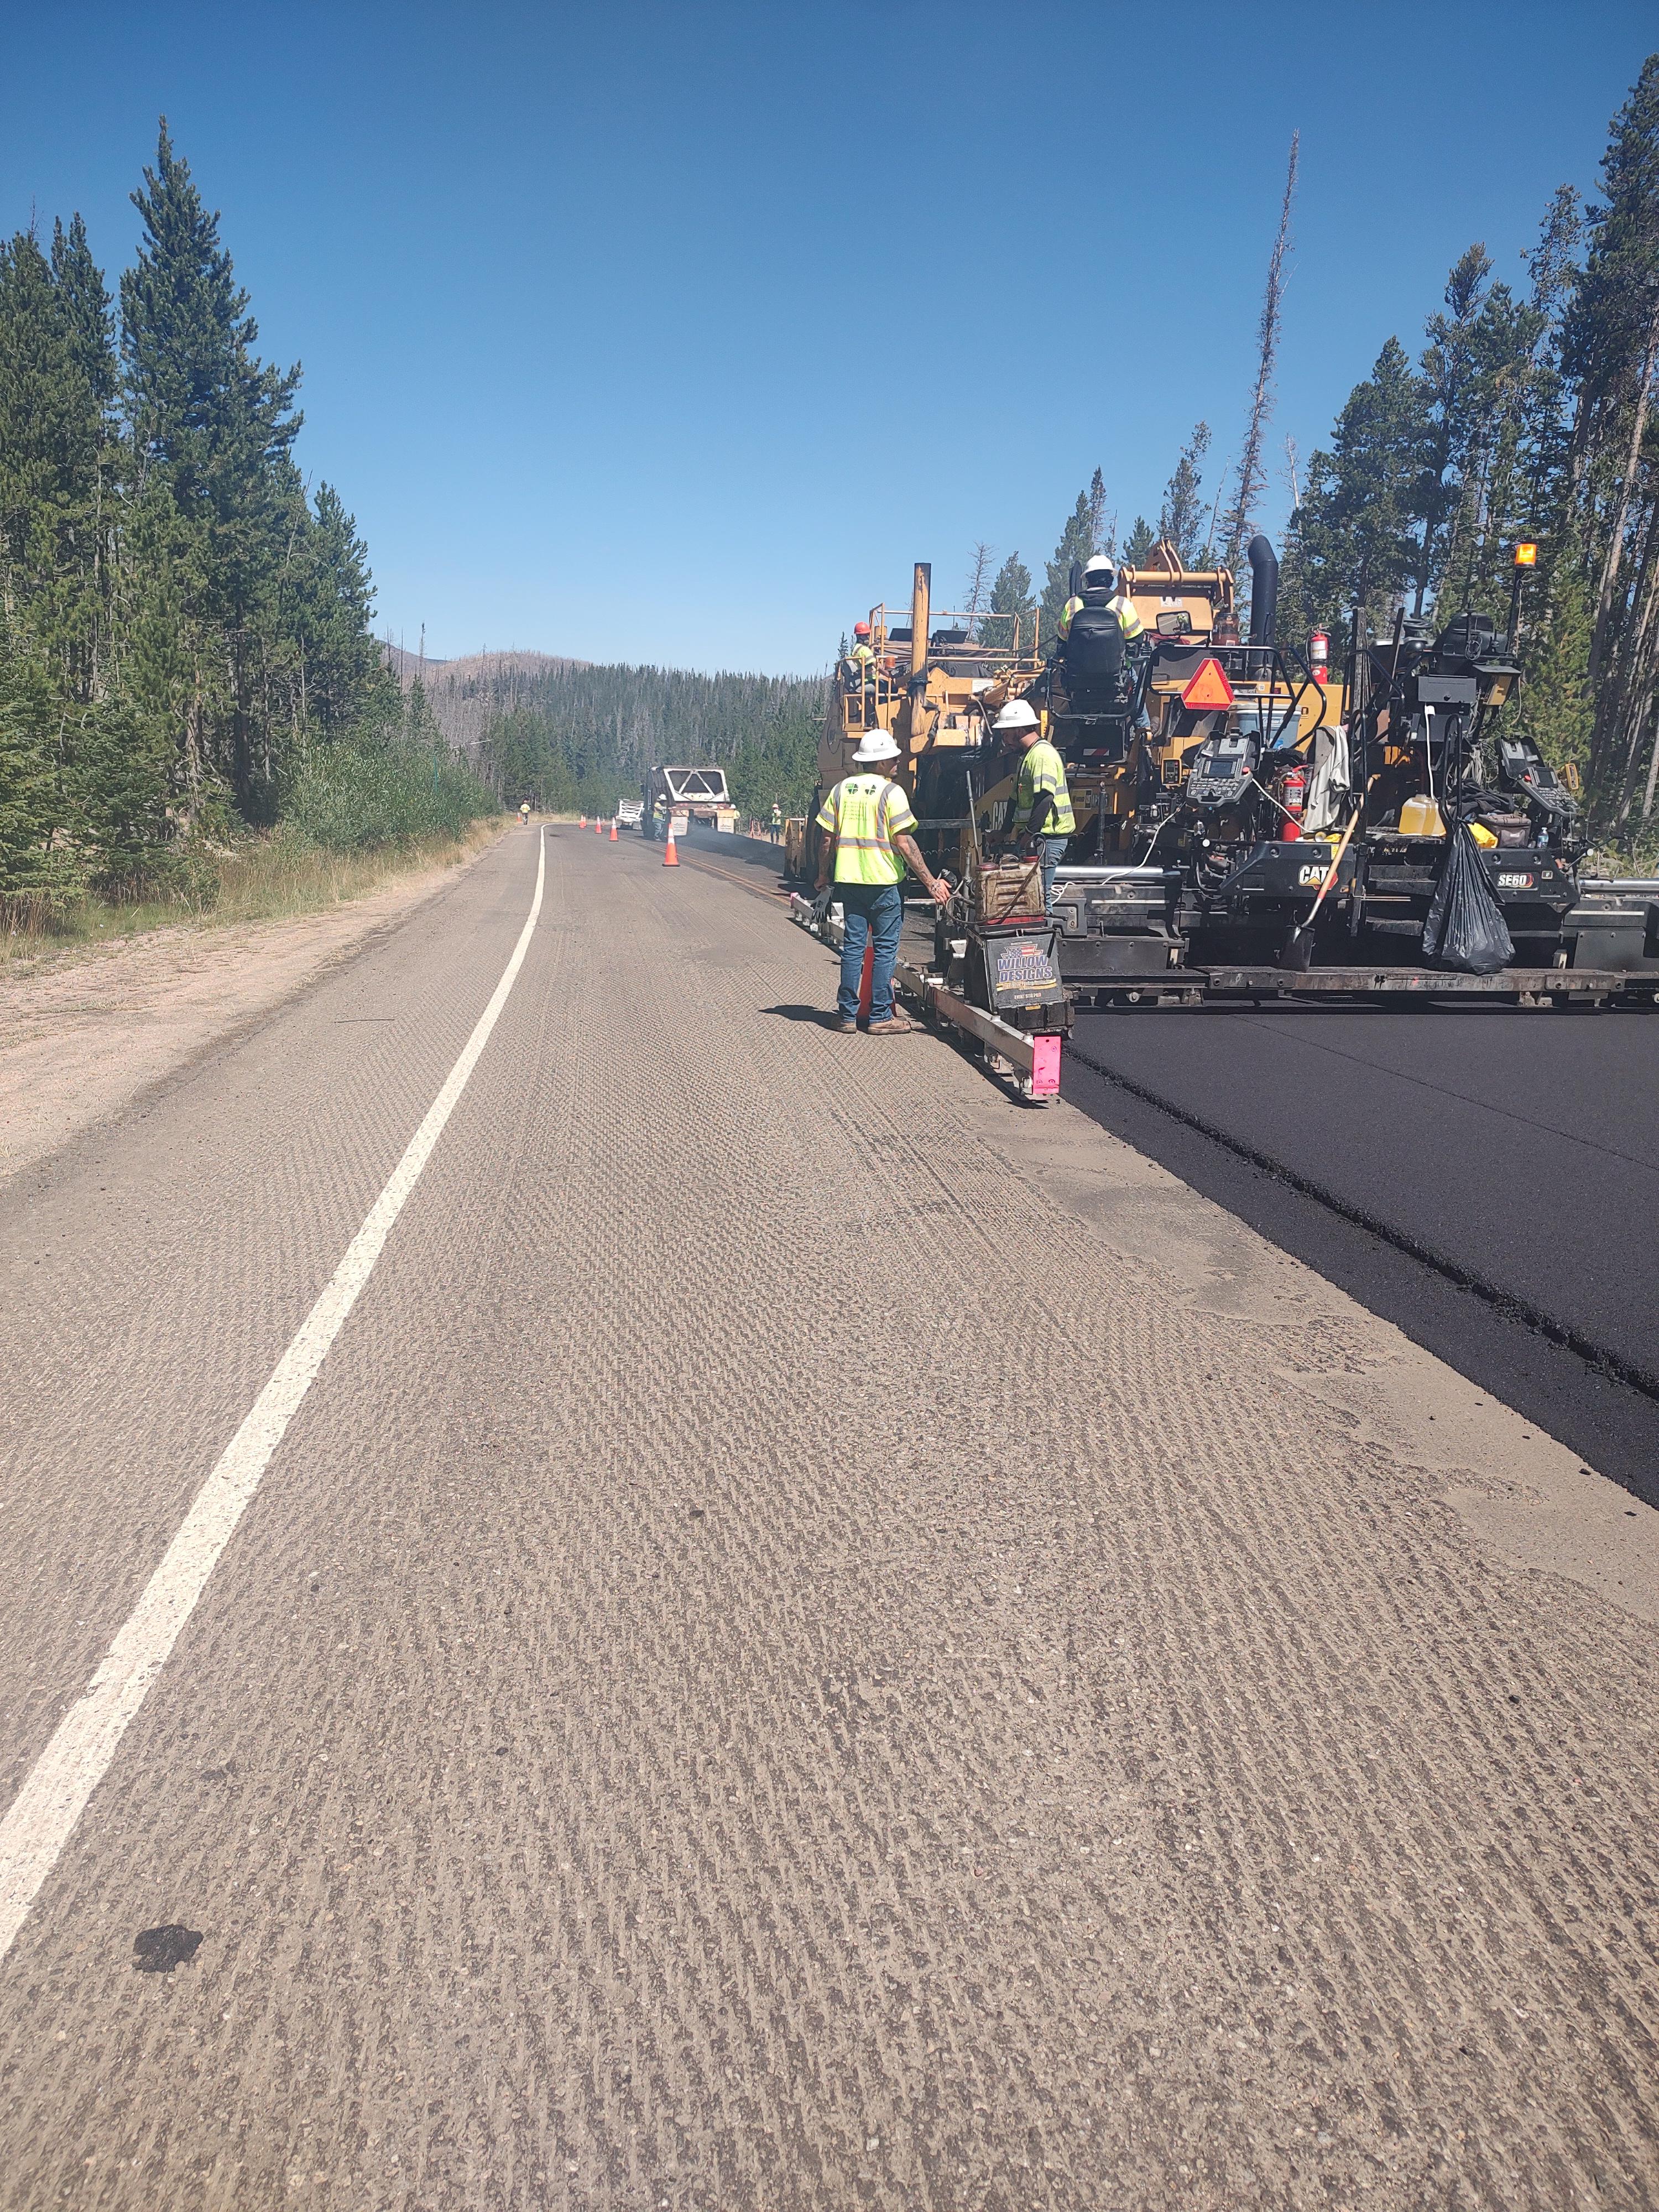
x=584 y=822
x=613 y=833
x=599 y=827
x=671 y=858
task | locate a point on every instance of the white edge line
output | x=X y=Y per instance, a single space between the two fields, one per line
x=42 y=1816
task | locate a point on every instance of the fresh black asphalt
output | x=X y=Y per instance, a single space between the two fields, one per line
x=1489 y=1180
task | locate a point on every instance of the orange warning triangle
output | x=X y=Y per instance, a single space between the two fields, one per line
x=1208 y=688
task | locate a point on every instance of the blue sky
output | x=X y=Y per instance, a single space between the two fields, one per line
x=676 y=333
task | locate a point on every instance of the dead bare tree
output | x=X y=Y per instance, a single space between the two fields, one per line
x=1252 y=476
x=978 y=585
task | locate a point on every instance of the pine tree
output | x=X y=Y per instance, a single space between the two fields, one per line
x=1077 y=543
x=36 y=876
x=326 y=602
x=1610 y=359
x=1097 y=513
x=1143 y=539
x=975 y=603
x=1555 y=707
x=53 y=470
x=1452 y=385
x=90 y=325
x=88 y=316
x=1354 y=534
x=1011 y=595
x=1012 y=605
x=215 y=425
x=1181 y=518
x=116 y=782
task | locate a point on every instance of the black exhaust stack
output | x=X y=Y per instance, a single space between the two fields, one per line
x=1264 y=591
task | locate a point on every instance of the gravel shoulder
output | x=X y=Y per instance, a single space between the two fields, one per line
x=87 y=1032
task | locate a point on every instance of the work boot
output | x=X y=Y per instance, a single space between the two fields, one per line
x=847 y=1029
x=895 y=1025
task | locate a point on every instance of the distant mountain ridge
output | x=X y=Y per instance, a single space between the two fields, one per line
x=466 y=694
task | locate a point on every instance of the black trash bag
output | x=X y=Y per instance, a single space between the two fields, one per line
x=1465 y=928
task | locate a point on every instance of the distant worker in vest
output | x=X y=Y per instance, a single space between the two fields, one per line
x=524 y=812
x=867 y=821
x=860 y=663
x=776 y=823
x=1042 y=803
x=1095 y=627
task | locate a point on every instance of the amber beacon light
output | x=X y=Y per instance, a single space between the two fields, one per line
x=1525 y=557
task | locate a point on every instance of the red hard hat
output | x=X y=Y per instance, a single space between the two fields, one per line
x=860 y=629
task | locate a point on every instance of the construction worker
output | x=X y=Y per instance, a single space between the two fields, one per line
x=524 y=812
x=777 y=824
x=1042 y=803
x=867 y=821
x=1095 y=627
x=860 y=661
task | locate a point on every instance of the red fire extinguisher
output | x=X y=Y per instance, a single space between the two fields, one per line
x=1319 y=655
x=1293 y=796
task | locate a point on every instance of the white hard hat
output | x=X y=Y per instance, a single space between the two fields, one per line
x=1018 y=714
x=876 y=746
x=1097 y=565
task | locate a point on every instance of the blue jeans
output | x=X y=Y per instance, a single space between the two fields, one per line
x=1051 y=851
x=872 y=910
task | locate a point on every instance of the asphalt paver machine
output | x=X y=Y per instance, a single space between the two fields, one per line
x=1239 y=800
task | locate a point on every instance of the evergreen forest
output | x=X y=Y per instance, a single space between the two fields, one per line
x=185 y=650
x=576 y=739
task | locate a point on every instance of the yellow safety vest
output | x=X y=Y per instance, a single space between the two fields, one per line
x=1041 y=769
x=864 y=814
x=1065 y=613
x=1127 y=620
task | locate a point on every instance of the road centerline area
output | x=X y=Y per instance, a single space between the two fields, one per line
x=54 y=1794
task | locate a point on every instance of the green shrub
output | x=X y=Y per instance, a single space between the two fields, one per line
x=377 y=788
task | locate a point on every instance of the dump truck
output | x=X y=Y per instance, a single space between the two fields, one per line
x=691 y=795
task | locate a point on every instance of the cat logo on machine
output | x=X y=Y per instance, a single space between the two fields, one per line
x=1315 y=872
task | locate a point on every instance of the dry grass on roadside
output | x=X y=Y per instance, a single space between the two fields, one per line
x=266 y=880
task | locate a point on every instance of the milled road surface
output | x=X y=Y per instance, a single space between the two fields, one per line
x=1488 y=1182
x=819 y=1640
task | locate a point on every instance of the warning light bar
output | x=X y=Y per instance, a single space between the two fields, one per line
x=1208 y=688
